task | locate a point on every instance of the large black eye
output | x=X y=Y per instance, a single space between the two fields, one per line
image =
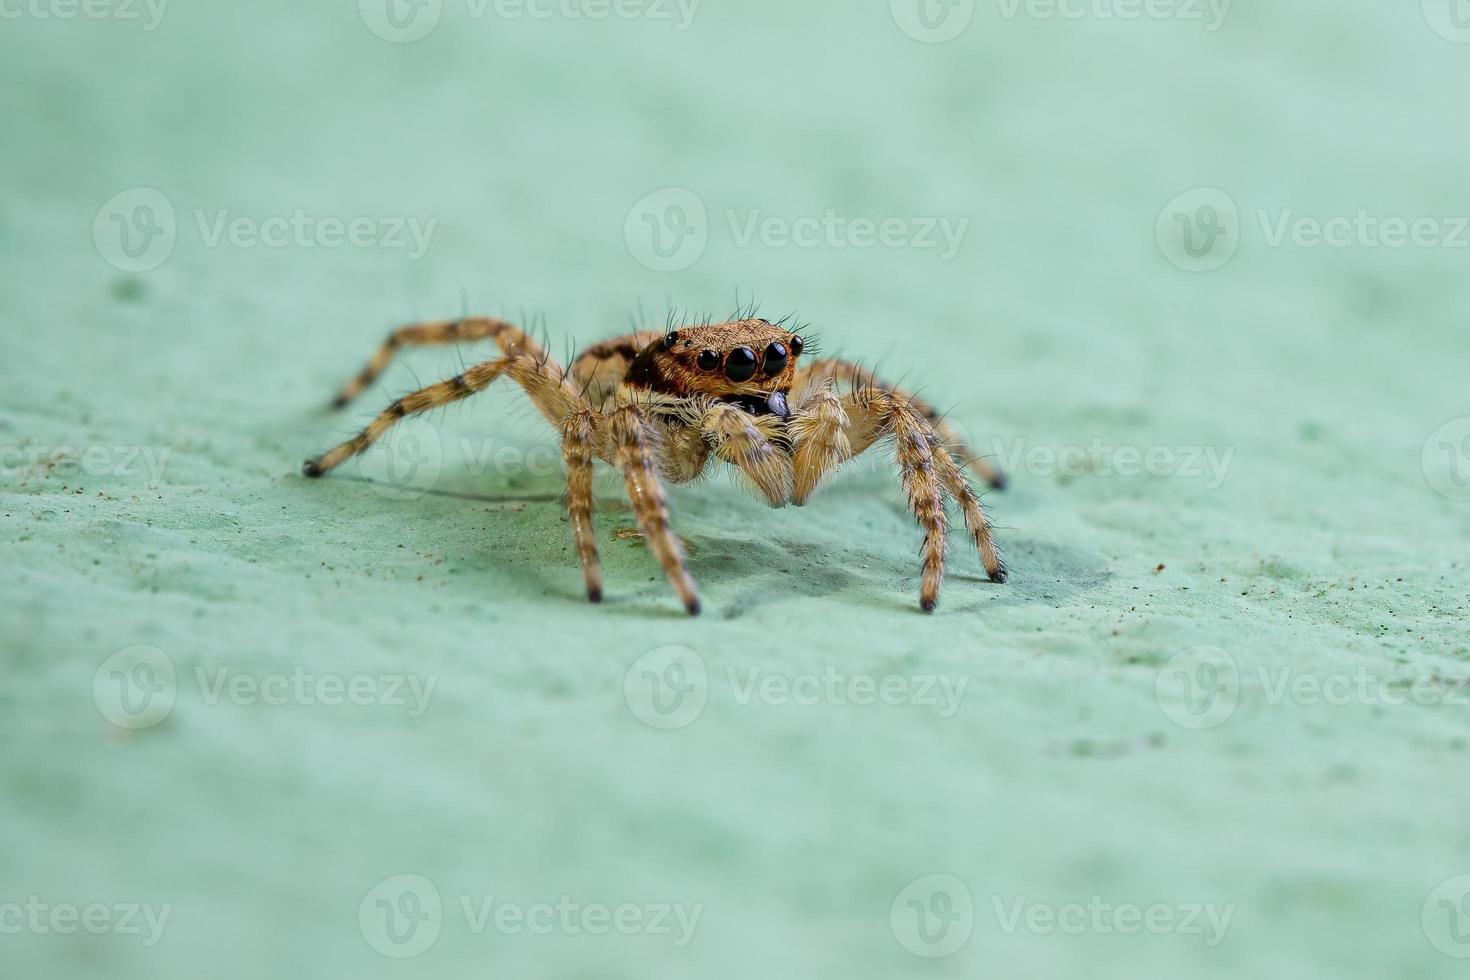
x=775 y=358
x=796 y=345
x=670 y=339
x=708 y=360
x=740 y=365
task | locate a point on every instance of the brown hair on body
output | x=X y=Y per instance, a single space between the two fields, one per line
x=749 y=363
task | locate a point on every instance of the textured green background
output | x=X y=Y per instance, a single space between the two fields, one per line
x=1060 y=323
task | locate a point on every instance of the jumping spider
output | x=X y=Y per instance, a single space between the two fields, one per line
x=657 y=406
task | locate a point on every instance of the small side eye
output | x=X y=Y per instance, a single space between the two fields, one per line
x=670 y=339
x=740 y=365
x=796 y=345
x=708 y=360
x=775 y=358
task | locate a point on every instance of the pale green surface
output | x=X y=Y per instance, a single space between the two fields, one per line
x=528 y=778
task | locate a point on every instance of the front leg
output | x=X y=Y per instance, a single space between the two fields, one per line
x=628 y=435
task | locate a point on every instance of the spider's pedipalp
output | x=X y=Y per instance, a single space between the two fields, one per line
x=746 y=442
x=819 y=434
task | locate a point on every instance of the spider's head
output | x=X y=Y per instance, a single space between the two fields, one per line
x=751 y=363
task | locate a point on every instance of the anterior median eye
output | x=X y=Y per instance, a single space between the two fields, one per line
x=740 y=365
x=775 y=358
x=708 y=360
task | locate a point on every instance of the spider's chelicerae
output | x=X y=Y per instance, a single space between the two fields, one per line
x=658 y=406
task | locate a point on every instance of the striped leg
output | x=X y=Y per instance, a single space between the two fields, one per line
x=978 y=524
x=542 y=381
x=579 y=440
x=511 y=339
x=744 y=441
x=628 y=436
x=819 y=372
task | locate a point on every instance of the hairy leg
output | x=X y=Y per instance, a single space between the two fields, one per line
x=510 y=338
x=873 y=414
x=856 y=377
x=541 y=380
x=628 y=437
x=578 y=447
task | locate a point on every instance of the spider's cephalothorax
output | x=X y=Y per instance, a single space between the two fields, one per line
x=748 y=363
x=659 y=405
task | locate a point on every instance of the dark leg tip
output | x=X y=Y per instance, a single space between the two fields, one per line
x=311 y=469
x=928 y=605
x=999 y=576
x=594 y=596
x=339 y=402
x=1000 y=482
x=693 y=606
